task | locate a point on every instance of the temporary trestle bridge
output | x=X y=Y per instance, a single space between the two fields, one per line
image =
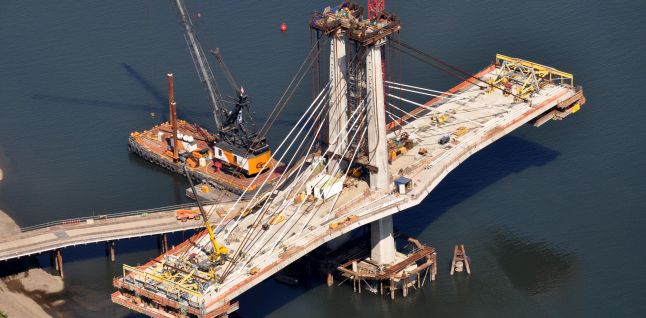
x=360 y=167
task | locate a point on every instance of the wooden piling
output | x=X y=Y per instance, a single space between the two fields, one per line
x=460 y=255
x=434 y=266
x=466 y=259
x=405 y=286
x=359 y=284
x=419 y=283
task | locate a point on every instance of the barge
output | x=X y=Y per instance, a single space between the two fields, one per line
x=153 y=145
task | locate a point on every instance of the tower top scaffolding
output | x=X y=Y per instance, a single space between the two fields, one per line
x=348 y=16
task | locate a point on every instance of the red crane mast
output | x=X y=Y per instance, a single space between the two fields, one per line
x=375 y=7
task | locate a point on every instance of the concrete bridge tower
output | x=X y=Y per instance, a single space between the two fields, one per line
x=356 y=79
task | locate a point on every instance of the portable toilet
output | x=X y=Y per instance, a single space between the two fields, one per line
x=403 y=184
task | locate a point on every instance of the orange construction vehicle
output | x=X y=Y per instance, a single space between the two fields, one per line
x=184 y=215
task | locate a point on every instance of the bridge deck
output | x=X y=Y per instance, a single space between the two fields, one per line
x=97 y=229
x=487 y=116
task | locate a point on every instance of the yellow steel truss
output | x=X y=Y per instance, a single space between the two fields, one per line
x=168 y=284
x=529 y=76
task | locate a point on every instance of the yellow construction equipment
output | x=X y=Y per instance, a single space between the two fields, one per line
x=219 y=251
x=576 y=108
x=439 y=120
x=460 y=131
x=349 y=219
x=393 y=155
x=276 y=219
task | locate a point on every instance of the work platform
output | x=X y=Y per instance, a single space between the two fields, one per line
x=476 y=116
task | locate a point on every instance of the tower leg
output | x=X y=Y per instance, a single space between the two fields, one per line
x=377 y=144
x=337 y=116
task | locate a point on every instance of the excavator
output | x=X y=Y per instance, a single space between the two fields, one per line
x=238 y=146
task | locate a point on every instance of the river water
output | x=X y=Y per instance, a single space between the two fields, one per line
x=552 y=217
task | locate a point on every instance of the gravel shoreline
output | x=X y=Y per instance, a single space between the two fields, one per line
x=26 y=293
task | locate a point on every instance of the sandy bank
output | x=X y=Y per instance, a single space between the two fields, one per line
x=30 y=294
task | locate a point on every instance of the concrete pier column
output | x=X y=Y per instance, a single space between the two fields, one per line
x=164 y=242
x=58 y=255
x=54 y=263
x=338 y=102
x=377 y=144
x=382 y=241
x=111 y=251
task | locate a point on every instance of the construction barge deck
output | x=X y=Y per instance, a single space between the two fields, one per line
x=153 y=145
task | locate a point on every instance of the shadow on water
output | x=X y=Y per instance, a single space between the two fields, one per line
x=163 y=110
x=160 y=106
x=160 y=97
x=510 y=154
x=533 y=267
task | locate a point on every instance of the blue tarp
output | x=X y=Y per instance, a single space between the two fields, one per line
x=402 y=180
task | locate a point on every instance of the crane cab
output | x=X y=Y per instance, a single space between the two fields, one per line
x=250 y=162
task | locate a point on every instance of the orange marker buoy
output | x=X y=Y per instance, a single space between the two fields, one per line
x=283 y=27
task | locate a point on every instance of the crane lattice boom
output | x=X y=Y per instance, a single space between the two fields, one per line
x=201 y=64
